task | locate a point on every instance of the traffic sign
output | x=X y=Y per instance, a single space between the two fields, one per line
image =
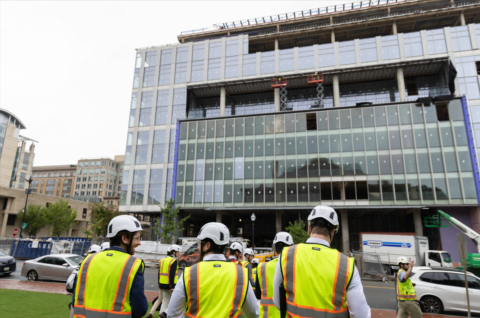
x=24 y=225
x=15 y=232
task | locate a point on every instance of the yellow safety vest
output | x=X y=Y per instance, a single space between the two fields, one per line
x=265 y=280
x=405 y=291
x=164 y=270
x=244 y=263
x=316 y=279
x=215 y=289
x=104 y=283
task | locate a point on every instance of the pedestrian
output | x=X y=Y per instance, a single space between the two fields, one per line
x=105 y=279
x=254 y=263
x=236 y=252
x=214 y=287
x=318 y=279
x=72 y=279
x=406 y=295
x=265 y=275
x=246 y=263
x=167 y=279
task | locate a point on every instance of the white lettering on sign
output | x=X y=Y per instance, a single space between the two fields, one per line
x=35 y=244
x=374 y=243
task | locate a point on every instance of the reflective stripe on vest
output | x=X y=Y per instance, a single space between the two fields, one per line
x=243 y=264
x=316 y=278
x=215 y=289
x=265 y=279
x=164 y=270
x=104 y=284
x=405 y=291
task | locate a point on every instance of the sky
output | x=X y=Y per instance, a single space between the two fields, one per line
x=66 y=67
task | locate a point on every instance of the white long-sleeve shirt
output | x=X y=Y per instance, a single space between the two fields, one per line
x=176 y=307
x=357 y=303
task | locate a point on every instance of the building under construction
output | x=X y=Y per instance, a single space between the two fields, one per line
x=370 y=107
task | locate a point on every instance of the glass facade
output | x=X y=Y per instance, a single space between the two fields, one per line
x=393 y=154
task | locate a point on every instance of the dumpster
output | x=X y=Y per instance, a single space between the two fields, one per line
x=66 y=238
x=25 y=249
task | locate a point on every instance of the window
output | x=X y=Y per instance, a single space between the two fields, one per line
x=346 y=52
x=214 y=60
x=155 y=186
x=413 y=44
x=11 y=219
x=165 y=67
x=434 y=257
x=326 y=55
x=197 y=71
x=249 y=64
x=137 y=187
x=149 y=70
x=305 y=57
x=21 y=181
x=145 y=109
x=287 y=62
x=181 y=65
x=162 y=107
x=179 y=102
x=142 y=148
x=390 y=47
x=267 y=62
x=460 y=38
x=84 y=213
x=136 y=74
x=436 y=41
x=231 y=66
x=133 y=106
x=368 y=50
x=171 y=147
x=469 y=87
x=138 y=60
x=158 y=146
x=26 y=158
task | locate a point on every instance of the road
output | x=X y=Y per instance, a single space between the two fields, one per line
x=380 y=295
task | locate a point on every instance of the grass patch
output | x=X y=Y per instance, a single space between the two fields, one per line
x=20 y=303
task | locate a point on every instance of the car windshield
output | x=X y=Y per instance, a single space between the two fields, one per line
x=446 y=257
x=74 y=260
x=2 y=254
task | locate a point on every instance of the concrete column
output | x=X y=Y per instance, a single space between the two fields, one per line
x=394 y=28
x=278 y=221
x=345 y=231
x=223 y=93
x=276 y=43
x=462 y=19
x=333 y=36
x=4 y=224
x=475 y=218
x=417 y=220
x=276 y=97
x=219 y=216
x=401 y=84
x=336 y=91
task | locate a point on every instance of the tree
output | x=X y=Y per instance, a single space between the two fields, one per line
x=297 y=231
x=101 y=214
x=35 y=219
x=169 y=214
x=60 y=217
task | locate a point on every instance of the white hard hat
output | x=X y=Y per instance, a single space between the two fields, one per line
x=174 y=247
x=255 y=261
x=237 y=246
x=123 y=223
x=248 y=251
x=402 y=259
x=325 y=212
x=105 y=246
x=283 y=237
x=215 y=231
x=94 y=249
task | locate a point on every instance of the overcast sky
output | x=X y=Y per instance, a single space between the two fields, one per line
x=66 y=67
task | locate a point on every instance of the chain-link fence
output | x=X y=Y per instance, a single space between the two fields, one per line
x=370 y=266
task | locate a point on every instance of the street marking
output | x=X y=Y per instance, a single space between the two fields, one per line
x=379 y=287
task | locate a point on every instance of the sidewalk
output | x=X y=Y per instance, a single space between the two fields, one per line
x=59 y=288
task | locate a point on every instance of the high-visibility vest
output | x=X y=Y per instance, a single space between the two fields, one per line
x=266 y=272
x=316 y=279
x=104 y=283
x=215 y=289
x=164 y=270
x=405 y=291
x=243 y=263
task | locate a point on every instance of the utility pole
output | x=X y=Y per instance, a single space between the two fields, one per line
x=27 y=192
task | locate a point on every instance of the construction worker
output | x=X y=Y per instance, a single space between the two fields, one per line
x=214 y=287
x=406 y=295
x=265 y=275
x=167 y=278
x=254 y=263
x=236 y=252
x=317 y=280
x=106 y=278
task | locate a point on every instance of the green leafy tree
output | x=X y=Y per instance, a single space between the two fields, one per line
x=297 y=231
x=101 y=214
x=60 y=217
x=169 y=228
x=35 y=219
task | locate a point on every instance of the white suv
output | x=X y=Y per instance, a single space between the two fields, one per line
x=442 y=289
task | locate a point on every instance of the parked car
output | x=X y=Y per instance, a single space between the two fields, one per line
x=7 y=264
x=189 y=257
x=51 y=267
x=442 y=289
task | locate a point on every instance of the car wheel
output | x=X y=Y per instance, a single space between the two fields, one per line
x=32 y=275
x=432 y=305
x=182 y=264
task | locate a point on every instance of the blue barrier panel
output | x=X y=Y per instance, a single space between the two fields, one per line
x=65 y=238
x=23 y=249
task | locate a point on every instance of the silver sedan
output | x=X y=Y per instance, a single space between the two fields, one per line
x=51 y=267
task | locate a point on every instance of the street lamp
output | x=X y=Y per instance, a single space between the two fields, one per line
x=27 y=192
x=253 y=218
